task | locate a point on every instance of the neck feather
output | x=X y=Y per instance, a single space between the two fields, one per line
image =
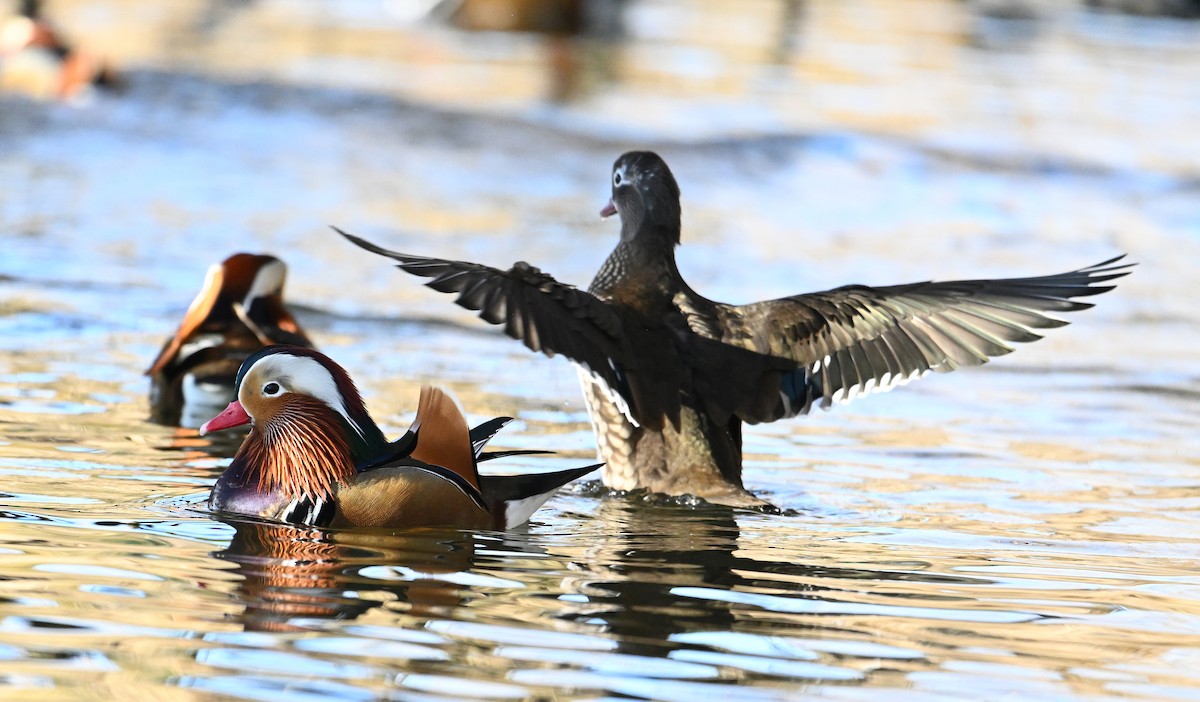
x=301 y=451
x=642 y=262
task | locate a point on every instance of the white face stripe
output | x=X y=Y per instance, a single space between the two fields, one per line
x=299 y=374
x=269 y=280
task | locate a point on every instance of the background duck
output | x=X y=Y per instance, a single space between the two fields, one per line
x=37 y=61
x=669 y=376
x=238 y=310
x=315 y=457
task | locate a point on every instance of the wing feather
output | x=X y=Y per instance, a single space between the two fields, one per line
x=854 y=340
x=533 y=307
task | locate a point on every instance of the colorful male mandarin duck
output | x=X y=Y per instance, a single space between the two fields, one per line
x=670 y=376
x=238 y=311
x=315 y=457
x=35 y=60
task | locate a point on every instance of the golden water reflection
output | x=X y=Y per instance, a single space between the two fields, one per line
x=116 y=581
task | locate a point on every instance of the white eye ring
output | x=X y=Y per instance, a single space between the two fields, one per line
x=271 y=389
x=617 y=179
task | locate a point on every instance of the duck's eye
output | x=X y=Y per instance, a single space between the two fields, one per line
x=617 y=178
x=272 y=389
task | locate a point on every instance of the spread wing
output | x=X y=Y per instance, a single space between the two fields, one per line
x=856 y=339
x=536 y=309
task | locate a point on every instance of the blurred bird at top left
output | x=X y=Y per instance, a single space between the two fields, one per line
x=238 y=310
x=36 y=61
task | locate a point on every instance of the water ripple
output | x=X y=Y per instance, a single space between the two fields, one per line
x=790 y=605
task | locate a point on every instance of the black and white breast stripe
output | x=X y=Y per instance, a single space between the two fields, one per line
x=303 y=511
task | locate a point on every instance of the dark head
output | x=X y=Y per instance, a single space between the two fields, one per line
x=260 y=291
x=290 y=390
x=645 y=195
x=252 y=276
x=255 y=281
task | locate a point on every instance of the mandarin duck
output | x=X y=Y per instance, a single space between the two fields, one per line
x=315 y=457
x=669 y=376
x=239 y=310
x=36 y=61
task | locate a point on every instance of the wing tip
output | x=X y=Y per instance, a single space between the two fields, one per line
x=369 y=246
x=1110 y=269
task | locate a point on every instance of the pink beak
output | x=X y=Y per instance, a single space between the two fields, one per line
x=609 y=210
x=232 y=416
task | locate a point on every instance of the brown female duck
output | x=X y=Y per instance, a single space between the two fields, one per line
x=669 y=376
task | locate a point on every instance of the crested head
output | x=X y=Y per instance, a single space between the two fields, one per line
x=646 y=196
x=249 y=277
x=268 y=376
x=309 y=425
x=240 y=279
x=262 y=309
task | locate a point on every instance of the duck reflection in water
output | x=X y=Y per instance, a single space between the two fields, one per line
x=646 y=577
x=291 y=574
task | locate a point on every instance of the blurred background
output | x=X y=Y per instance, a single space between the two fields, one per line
x=891 y=134
x=1066 y=78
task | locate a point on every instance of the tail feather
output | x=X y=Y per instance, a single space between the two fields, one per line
x=492 y=455
x=485 y=432
x=517 y=497
x=443 y=438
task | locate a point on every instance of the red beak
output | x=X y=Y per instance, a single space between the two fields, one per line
x=232 y=416
x=609 y=210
